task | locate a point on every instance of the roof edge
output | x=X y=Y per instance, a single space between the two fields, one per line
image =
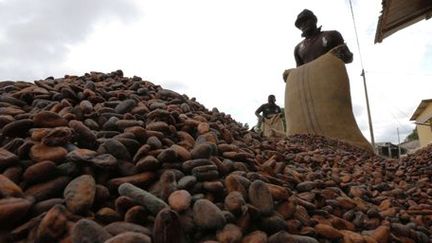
x=420 y=109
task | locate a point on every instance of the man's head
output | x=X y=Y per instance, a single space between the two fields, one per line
x=271 y=99
x=306 y=21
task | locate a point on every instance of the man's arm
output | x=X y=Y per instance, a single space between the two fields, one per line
x=258 y=111
x=298 y=60
x=297 y=57
x=342 y=51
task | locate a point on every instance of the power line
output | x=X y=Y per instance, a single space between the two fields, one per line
x=356 y=35
x=364 y=78
x=399 y=73
x=384 y=98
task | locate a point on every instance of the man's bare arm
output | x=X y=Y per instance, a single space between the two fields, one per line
x=343 y=53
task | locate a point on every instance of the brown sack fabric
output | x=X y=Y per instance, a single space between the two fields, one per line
x=273 y=126
x=318 y=101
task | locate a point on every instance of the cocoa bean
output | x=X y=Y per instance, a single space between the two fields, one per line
x=48 y=119
x=79 y=194
x=138 y=179
x=107 y=215
x=122 y=227
x=207 y=215
x=255 y=237
x=146 y=199
x=8 y=188
x=40 y=172
x=148 y=163
x=260 y=197
x=235 y=203
x=286 y=237
x=41 y=152
x=46 y=205
x=328 y=231
x=182 y=153
x=7 y=158
x=130 y=237
x=136 y=214
x=89 y=231
x=230 y=233
x=180 y=200
x=13 y=209
x=17 y=128
x=167 y=227
x=53 y=225
x=46 y=190
x=187 y=182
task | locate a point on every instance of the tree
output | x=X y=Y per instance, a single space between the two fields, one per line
x=412 y=136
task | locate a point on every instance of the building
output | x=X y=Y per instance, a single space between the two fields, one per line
x=423 y=120
x=398 y=14
x=410 y=146
x=389 y=150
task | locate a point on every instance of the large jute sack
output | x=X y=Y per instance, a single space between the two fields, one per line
x=273 y=126
x=318 y=101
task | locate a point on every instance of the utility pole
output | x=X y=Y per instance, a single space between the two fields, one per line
x=399 y=149
x=364 y=78
x=368 y=109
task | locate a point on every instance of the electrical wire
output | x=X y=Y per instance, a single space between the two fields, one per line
x=364 y=78
x=356 y=34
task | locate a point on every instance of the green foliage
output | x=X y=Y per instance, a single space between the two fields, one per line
x=412 y=136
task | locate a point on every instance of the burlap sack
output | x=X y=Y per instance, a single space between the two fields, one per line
x=318 y=101
x=273 y=126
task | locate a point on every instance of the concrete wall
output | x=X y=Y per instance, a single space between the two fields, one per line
x=425 y=132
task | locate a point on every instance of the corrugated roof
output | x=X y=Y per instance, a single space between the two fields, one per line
x=398 y=14
x=423 y=104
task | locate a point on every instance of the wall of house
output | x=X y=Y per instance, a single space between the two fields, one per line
x=425 y=132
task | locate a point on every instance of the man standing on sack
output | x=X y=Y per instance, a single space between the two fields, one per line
x=317 y=42
x=317 y=92
x=270 y=122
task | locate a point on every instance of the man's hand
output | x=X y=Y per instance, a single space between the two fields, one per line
x=286 y=74
x=342 y=52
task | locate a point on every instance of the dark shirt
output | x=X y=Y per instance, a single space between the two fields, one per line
x=317 y=45
x=268 y=110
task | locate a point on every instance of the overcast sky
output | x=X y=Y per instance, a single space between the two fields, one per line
x=227 y=54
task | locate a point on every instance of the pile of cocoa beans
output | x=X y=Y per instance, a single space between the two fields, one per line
x=106 y=158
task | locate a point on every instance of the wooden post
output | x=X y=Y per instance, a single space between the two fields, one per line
x=368 y=109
